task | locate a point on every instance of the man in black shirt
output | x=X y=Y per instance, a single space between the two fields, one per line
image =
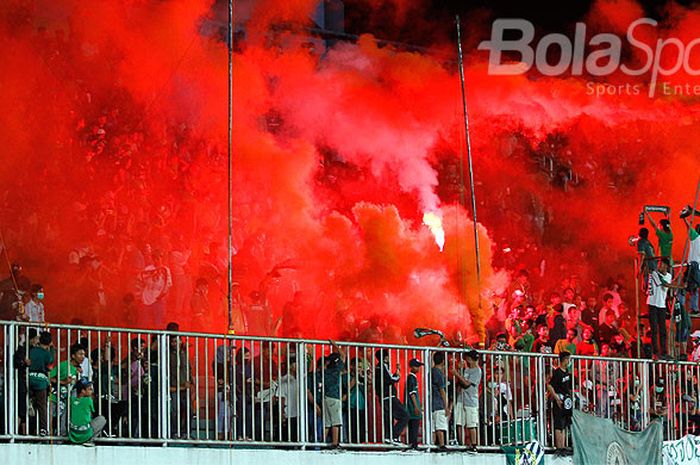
x=395 y=416
x=559 y=388
x=412 y=402
x=607 y=331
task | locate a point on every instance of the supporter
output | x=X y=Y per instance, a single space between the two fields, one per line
x=86 y=371
x=542 y=344
x=137 y=370
x=656 y=300
x=499 y=397
x=590 y=315
x=106 y=375
x=245 y=390
x=500 y=343
x=607 y=331
x=634 y=400
x=41 y=357
x=618 y=346
x=587 y=346
x=646 y=252
x=34 y=309
x=265 y=408
x=199 y=302
x=608 y=306
x=466 y=407
x=395 y=415
x=153 y=286
x=19 y=308
x=83 y=427
x=573 y=321
x=28 y=339
x=559 y=389
x=664 y=235
x=289 y=400
x=568 y=301
x=695 y=340
x=558 y=328
x=692 y=277
x=527 y=340
x=412 y=402
x=354 y=384
x=180 y=383
x=9 y=288
x=658 y=404
x=568 y=344
x=332 y=403
x=439 y=407
x=64 y=376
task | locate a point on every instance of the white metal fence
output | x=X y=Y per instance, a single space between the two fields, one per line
x=176 y=387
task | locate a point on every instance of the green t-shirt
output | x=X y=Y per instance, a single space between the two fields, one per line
x=41 y=359
x=63 y=371
x=665 y=242
x=564 y=345
x=528 y=340
x=81 y=410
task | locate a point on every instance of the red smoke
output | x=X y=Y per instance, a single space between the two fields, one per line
x=337 y=155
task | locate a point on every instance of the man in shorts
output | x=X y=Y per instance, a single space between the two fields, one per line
x=440 y=409
x=332 y=403
x=467 y=405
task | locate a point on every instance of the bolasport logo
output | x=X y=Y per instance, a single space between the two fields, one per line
x=603 y=59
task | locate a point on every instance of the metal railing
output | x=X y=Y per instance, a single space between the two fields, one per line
x=176 y=387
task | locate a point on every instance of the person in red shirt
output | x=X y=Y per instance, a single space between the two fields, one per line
x=587 y=346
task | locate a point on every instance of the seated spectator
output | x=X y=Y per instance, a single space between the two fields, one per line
x=83 y=427
x=589 y=315
x=587 y=346
x=64 y=376
x=568 y=344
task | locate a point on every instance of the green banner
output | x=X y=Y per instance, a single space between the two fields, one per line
x=528 y=454
x=598 y=441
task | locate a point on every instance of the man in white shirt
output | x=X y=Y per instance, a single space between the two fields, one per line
x=693 y=274
x=34 y=309
x=695 y=339
x=659 y=281
x=289 y=397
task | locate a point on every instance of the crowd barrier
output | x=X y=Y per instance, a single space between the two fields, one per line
x=178 y=387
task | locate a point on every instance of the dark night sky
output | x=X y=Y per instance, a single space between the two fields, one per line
x=427 y=20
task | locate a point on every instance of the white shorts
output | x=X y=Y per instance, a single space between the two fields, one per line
x=439 y=422
x=466 y=416
x=332 y=412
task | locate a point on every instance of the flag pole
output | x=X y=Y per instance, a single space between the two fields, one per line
x=231 y=329
x=469 y=160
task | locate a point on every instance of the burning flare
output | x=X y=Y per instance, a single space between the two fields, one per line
x=433 y=221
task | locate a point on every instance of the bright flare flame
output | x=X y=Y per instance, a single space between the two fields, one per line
x=434 y=222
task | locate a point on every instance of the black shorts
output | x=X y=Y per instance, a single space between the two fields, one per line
x=561 y=418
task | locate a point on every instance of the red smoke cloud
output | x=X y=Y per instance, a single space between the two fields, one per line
x=337 y=156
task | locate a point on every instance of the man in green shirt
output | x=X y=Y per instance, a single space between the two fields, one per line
x=63 y=376
x=83 y=427
x=664 y=235
x=41 y=357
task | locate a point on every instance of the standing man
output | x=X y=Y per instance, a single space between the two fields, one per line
x=559 y=389
x=34 y=309
x=467 y=409
x=646 y=252
x=693 y=273
x=664 y=235
x=657 y=289
x=332 y=403
x=440 y=408
x=412 y=401
x=395 y=416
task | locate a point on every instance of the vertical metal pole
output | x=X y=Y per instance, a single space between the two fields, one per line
x=10 y=389
x=229 y=198
x=469 y=161
x=636 y=302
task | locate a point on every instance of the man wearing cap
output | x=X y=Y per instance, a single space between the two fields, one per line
x=467 y=405
x=83 y=427
x=412 y=401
